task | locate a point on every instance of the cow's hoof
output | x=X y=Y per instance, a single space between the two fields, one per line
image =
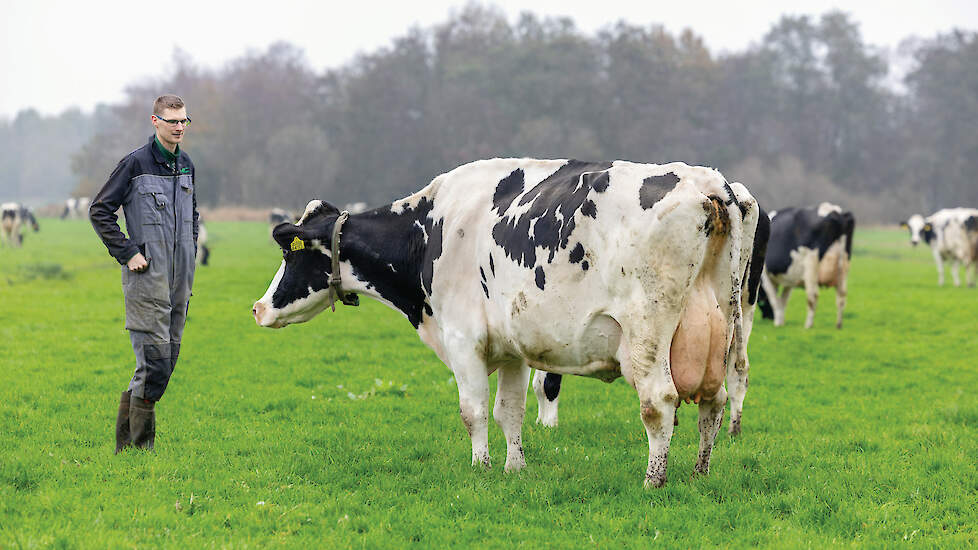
x=482 y=462
x=734 y=428
x=515 y=465
x=655 y=482
x=549 y=422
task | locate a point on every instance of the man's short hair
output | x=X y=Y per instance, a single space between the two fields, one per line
x=166 y=102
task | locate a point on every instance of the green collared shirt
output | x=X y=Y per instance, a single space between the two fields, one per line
x=170 y=157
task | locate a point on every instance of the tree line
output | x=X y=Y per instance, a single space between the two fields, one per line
x=811 y=112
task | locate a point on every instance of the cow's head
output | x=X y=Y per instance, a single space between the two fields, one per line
x=28 y=217
x=919 y=229
x=300 y=289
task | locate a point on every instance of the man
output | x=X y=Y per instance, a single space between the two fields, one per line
x=155 y=187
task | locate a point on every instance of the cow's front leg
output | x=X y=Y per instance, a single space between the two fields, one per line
x=970 y=270
x=546 y=387
x=509 y=410
x=472 y=379
x=711 y=416
x=940 y=266
x=811 y=288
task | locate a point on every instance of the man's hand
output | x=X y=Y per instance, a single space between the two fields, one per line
x=138 y=263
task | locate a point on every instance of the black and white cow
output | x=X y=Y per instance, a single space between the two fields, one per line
x=76 y=208
x=547 y=385
x=809 y=247
x=13 y=219
x=601 y=269
x=952 y=234
x=203 y=252
x=279 y=215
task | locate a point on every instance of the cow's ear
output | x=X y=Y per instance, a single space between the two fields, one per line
x=927 y=227
x=285 y=234
x=903 y=225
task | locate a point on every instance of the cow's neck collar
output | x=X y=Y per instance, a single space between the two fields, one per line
x=385 y=250
x=335 y=279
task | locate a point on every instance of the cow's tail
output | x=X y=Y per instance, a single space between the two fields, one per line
x=848 y=227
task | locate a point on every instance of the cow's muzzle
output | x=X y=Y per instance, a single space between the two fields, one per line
x=261 y=313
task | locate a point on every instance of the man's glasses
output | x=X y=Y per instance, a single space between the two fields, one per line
x=184 y=121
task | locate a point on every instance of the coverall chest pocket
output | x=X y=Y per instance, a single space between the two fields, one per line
x=152 y=203
x=185 y=199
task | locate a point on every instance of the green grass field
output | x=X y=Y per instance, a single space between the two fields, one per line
x=344 y=432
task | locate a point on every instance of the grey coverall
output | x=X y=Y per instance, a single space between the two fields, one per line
x=156 y=192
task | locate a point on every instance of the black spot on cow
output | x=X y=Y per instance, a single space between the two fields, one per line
x=482 y=274
x=585 y=265
x=554 y=202
x=599 y=181
x=761 y=235
x=541 y=278
x=793 y=228
x=577 y=254
x=589 y=209
x=971 y=224
x=551 y=385
x=492 y=266
x=655 y=187
x=485 y=289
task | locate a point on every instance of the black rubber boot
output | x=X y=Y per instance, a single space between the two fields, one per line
x=142 y=423
x=122 y=439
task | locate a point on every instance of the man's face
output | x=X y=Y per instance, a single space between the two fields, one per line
x=170 y=133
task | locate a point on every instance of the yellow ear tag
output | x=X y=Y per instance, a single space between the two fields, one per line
x=297 y=244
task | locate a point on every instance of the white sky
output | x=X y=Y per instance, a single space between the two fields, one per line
x=59 y=53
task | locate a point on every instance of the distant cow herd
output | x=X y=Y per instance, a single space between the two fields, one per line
x=613 y=269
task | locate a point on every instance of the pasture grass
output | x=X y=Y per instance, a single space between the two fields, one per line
x=344 y=432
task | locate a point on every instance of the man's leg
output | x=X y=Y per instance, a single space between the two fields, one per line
x=122 y=437
x=153 y=371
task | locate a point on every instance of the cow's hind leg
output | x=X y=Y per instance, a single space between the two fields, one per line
x=811 y=288
x=737 y=379
x=711 y=416
x=546 y=386
x=955 y=265
x=472 y=379
x=841 y=291
x=645 y=366
x=509 y=410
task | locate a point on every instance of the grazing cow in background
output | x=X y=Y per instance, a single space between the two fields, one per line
x=952 y=234
x=355 y=207
x=278 y=216
x=601 y=269
x=203 y=253
x=76 y=208
x=13 y=218
x=809 y=247
x=546 y=385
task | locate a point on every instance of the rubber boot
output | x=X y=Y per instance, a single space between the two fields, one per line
x=142 y=423
x=122 y=439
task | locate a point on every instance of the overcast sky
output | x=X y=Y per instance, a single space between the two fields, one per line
x=61 y=53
